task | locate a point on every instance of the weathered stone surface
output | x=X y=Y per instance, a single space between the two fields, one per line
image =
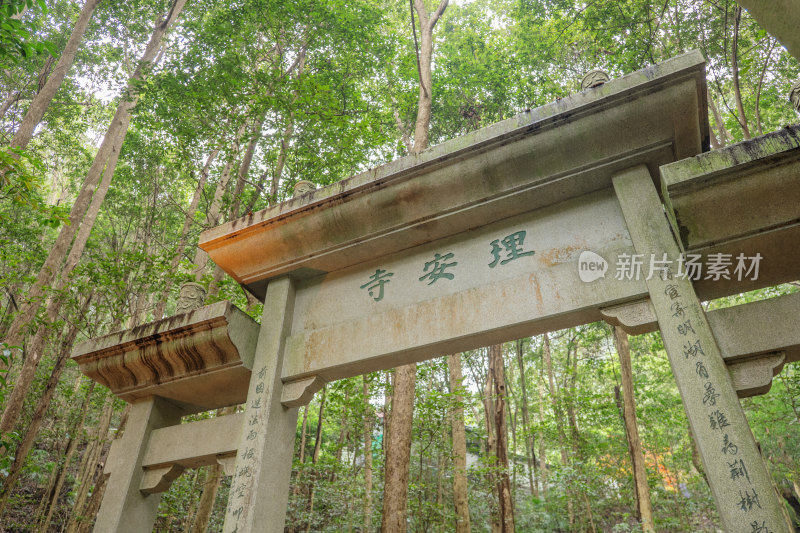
x=752 y=377
x=541 y=157
x=745 y=199
x=594 y=78
x=199 y=360
x=794 y=96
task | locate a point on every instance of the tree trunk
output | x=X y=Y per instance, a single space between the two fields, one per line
x=502 y=482
x=14 y=96
x=424 y=61
x=315 y=455
x=761 y=85
x=43 y=98
x=398 y=452
x=724 y=139
x=214 y=210
x=244 y=167
x=71 y=447
x=735 y=67
x=530 y=444
x=542 y=445
x=187 y=226
x=460 y=495
x=281 y=162
x=22 y=384
x=92 y=456
x=491 y=445
x=368 y=424
x=632 y=432
x=214 y=477
x=562 y=438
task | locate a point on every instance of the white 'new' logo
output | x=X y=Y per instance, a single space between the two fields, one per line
x=591 y=266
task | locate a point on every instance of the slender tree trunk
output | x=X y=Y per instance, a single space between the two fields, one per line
x=368 y=424
x=244 y=167
x=530 y=444
x=92 y=457
x=342 y=439
x=315 y=456
x=737 y=93
x=761 y=85
x=542 y=445
x=205 y=507
x=210 y=488
x=14 y=96
x=214 y=210
x=298 y=481
x=62 y=475
x=398 y=452
x=724 y=138
x=10 y=100
x=632 y=432
x=281 y=162
x=424 y=58
x=460 y=495
x=502 y=482
x=22 y=384
x=43 y=98
x=562 y=438
x=696 y=463
x=491 y=446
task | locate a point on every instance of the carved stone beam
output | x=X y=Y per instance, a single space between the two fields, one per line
x=755 y=339
x=228 y=463
x=752 y=377
x=173 y=449
x=199 y=360
x=196 y=444
x=633 y=318
x=300 y=392
x=159 y=479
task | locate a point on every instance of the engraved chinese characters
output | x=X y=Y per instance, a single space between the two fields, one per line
x=442 y=265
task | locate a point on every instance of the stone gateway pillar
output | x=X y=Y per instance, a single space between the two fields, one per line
x=125 y=508
x=260 y=486
x=733 y=464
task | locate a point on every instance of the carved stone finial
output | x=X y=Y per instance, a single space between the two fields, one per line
x=794 y=96
x=303 y=186
x=594 y=78
x=191 y=297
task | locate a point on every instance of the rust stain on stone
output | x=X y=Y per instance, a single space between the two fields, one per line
x=556 y=256
x=537 y=291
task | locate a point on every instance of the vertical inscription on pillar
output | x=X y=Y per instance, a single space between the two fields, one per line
x=241 y=485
